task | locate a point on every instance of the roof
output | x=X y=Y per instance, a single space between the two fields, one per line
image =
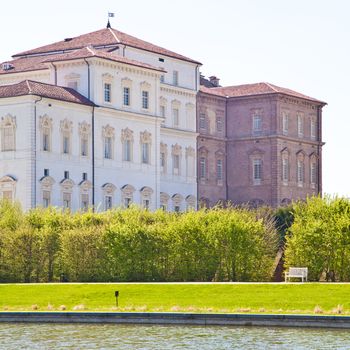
x=101 y=38
x=253 y=90
x=29 y=87
x=25 y=64
x=89 y=51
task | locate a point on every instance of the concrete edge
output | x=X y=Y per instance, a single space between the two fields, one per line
x=146 y=318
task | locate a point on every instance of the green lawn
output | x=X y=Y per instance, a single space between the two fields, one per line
x=259 y=297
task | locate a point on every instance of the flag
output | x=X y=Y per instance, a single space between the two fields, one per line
x=110 y=14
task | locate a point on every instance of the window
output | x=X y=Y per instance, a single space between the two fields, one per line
x=313 y=173
x=300 y=125
x=127 y=202
x=145 y=101
x=175 y=117
x=202 y=167
x=300 y=172
x=46 y=172
x=126 y=96
x=8 y=128
x=84 y=132
x=175 y=77
x=66 y=174
x=257 y=171
x=67 y=200
x=108 y=202
x=66 y=144
x=66 y=131
x=219 y=124
x=84 y=176
x=84 y=202
x=285 y=123
x=162 y=161
x=145 y=204
x=219 y=173
x=176 y=164
x=202 y=122
x=162 y=78
x=127 y=150
x=176 y=208
x=108 y=147
x=145 y=153
x=162 y=111
x=161 y=59
x=46 y=140
x=45 y=124
x=107 y=92
x=285 y=170
x=257 y=124
x=84 y=147
x=313 y=129
x=46 y=199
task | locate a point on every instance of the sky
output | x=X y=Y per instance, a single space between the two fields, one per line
x=303 y=45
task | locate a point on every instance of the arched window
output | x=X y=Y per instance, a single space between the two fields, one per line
x=146 y=197
x=85 y=187
x=300 y=169
x=127 y=195
x=66 y=192
x=177 y=202
x=108 y=195
x=164 y=200
x=176 y=152
x=8 y=188
x=163 y=157
x=46 y=187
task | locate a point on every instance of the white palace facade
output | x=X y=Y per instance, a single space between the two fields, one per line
x=100 y=120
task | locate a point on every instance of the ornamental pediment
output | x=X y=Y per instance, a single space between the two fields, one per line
x=108 y=188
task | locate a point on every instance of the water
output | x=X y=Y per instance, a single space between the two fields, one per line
x=79 y=336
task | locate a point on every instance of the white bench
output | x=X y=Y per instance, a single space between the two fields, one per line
x=297 y=272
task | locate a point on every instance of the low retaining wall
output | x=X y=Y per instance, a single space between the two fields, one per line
x=179 y=319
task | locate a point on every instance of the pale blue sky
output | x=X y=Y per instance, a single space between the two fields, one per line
x=300 y=44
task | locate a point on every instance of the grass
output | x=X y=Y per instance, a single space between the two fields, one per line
x=307 y=298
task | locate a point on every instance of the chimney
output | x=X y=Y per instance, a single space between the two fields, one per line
x=214 y=80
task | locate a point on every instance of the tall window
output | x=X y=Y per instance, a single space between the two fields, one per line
x=313 y=172
x=45 y=124
x=84 y=201
x=162 y=161
x=175 y=77
x=257 y=171
x=127 y=150
x=176 y=164
x=126 y=96
x=84 y=145
x=202 y=167
x=108 y=141
x=8 y=130
x=202 y=121
x=219 y=124
x=46 y=199
x=257 y=124
x=162 y=111
x=46 y=140
x=66 y=131
x=107 y=92
x=67 y=199
x=145 y=153
x=300 y=172
x=300 y=125
x=176 y=117
x=108 y=202
x=285 y=123
x=145 y=99
x=219 y=173
x=285 y=169
x=313 y=129
x=108 y=147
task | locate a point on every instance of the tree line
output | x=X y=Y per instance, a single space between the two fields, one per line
x=45 y=245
